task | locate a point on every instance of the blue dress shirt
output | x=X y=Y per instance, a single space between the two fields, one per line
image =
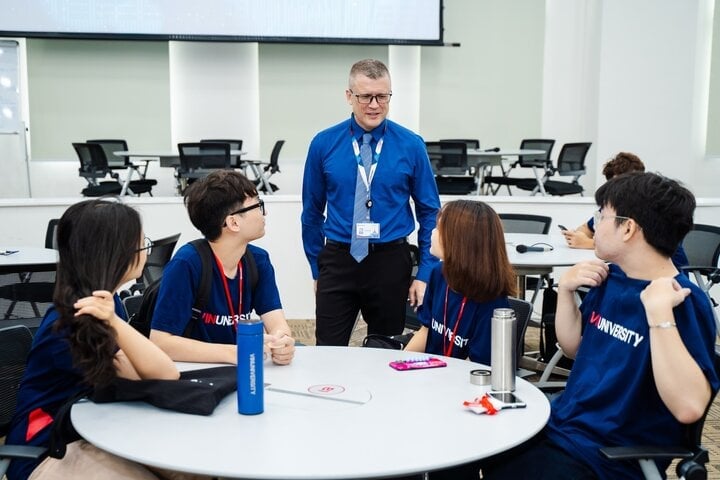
x=403 y=172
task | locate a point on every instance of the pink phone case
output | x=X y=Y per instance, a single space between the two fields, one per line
x=417 y=363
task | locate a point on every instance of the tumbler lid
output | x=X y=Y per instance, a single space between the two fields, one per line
x=503 y=313
x=250 y=327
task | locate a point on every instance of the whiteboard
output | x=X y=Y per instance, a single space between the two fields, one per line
x=329 y=21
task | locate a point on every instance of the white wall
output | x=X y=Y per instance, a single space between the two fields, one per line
x=167 y=216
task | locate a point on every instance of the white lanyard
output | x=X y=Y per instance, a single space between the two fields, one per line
x=367 y=180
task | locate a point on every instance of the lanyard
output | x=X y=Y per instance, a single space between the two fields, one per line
x=447 y=350
x=367 y=180
x=227 y=290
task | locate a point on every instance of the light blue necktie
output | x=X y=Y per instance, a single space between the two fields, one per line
x=359 y=246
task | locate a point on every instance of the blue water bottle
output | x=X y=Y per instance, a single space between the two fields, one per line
x=250 y=384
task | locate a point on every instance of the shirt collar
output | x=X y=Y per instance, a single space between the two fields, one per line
x=358 y=131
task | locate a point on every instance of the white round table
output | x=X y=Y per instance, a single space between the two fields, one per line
x=364 y=420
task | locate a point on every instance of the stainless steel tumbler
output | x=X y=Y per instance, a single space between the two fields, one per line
x=503 y=355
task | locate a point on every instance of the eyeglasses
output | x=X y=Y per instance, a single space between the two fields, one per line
x=366 y=98
x=260 y=205
x=148 y=245
x=598 y=217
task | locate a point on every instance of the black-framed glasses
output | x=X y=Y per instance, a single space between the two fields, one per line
x=147 y=245
x=366 y=98
x=260 y=205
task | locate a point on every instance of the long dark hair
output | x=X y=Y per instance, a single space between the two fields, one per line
x=98 y=242
x=475 y=261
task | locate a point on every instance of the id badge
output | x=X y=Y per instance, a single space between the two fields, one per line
x=367 y=230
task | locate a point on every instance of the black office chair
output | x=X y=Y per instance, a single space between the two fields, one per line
x=525 y=223
x=94 y=169
x=235 y=160
x=702 y=247
x=15 y=343
x=694 y=456
x=535 y=162
x=571 y=163
x=199 y=159
x=162 y=250
x=449 y=162
x=116 y=162
x=471 y=143
x=265 y=170
x=26 y=296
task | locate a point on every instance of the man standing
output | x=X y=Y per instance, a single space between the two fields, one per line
x=365 y=170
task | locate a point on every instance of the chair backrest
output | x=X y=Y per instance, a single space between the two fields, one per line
x=51 y=234
x=470 y=142
x=15 y=343
x=132 y=304
x=160 y=255
x=93 y=162
x=448 y=158
x=702 y=246
x=275 y=155
x=203 y=155
x=110 y=147
x=234 y=145
x=571 y=161
x=523 y=311
x=535 y=144
x=525 y=223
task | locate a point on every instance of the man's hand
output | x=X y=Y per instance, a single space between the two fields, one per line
x=417 y=293
x=662 y=295
x=281 y=347
x=590 y=273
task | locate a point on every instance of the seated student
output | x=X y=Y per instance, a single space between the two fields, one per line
x=582 y=236
x=226 y=209
x=473 y=279
x=83 y=340
x=643 y=341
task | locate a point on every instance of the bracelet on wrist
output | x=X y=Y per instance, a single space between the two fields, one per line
x=663 y=325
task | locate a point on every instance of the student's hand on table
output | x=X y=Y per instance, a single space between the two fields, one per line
x=663 y=294
x=578 y=239
x=280 y=347
x=590 y=273
x=99 y=305
x=416 y=294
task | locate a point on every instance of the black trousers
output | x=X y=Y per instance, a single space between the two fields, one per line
x=377 y=287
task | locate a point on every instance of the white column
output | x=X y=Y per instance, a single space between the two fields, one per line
x=632 y=75
x=570 y=76
x=214 y=93
x=404 y=65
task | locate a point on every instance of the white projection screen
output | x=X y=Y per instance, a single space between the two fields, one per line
x=417 y=22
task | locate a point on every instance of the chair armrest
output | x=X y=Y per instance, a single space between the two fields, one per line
x=648 y=452
x=21 y=451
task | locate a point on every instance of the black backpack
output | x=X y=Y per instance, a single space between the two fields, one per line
x=143 y=318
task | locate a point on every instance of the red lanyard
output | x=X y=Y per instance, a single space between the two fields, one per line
x=447 y=349
x=227 y=289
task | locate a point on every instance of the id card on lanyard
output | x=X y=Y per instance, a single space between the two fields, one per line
x=368 y=229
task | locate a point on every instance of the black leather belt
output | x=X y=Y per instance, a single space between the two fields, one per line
x=372 y=247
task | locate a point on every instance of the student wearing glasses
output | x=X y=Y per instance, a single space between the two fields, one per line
x=643 y=341
x=360 y=176
x=85 y=341
x=226 y=209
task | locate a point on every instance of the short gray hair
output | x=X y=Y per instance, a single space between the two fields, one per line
x=369 y=67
